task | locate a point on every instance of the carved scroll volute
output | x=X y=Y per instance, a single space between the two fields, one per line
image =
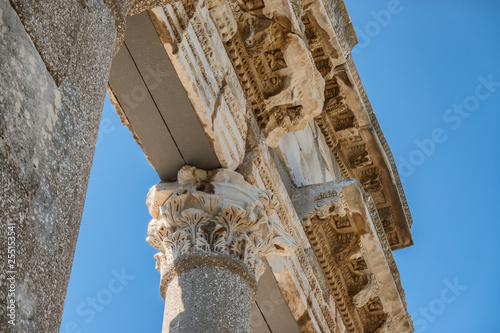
x=214 y=212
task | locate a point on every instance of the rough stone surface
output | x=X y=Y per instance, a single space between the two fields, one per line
x=53 y=27
x=47 y=138
x=207 y=299
x=141 y=5
x=307 y=158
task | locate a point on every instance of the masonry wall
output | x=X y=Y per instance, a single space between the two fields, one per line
x=55 y=58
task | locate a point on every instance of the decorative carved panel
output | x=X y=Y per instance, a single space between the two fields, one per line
x=192 y=42
x=215 y=212
x=262 y=39
x=348 y=238
x=305 y=291
x=288 y=62
x=348 y=128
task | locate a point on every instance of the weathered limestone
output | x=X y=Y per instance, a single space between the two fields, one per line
x=197 y=53
x=290 y=63
x=256 y=37
x=299 y=276
x=214 y=228
x=261 y=58
x=307 y=158
x=348 y=238
x=348 y=124
x=277 y=97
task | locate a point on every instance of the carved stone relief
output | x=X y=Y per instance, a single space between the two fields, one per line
x=347 y=236
x=344 y=122
x=273 y=63
x=286 y=62
x=305 y=291
x=207 y=212
x=192 y=42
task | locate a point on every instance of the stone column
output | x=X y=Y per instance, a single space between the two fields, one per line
x=55 y=58
x=212 y=229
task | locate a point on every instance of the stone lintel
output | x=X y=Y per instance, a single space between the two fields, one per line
x=262 y=45
x=288 y=63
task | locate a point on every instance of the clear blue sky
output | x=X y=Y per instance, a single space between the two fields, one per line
x=426 y=69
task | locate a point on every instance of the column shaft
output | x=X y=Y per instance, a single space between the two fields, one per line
x=207 y=299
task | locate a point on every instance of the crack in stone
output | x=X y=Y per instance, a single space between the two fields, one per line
x=270 y=19
x=215 y=110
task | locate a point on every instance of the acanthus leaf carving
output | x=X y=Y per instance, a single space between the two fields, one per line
x=347 y=120
x=216 y=211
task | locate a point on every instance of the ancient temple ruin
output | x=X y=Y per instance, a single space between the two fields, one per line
x=277 y=181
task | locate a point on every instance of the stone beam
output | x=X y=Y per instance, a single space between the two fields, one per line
x=197 y=54
x=345 y=231
x=288 y=63
x=259 y=42
x=151 y=100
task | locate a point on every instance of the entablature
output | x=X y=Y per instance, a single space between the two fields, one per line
x=346 y=234
x=286 y=62
x=349 y=125
x=263 y=74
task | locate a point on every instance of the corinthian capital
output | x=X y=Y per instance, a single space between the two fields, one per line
x=214 y=213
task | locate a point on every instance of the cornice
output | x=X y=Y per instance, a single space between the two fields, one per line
x=382 y=140
x=348 y=123
x=348 y=238
x=236 y=60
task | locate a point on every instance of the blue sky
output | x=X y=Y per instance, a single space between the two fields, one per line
x=431 y=70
